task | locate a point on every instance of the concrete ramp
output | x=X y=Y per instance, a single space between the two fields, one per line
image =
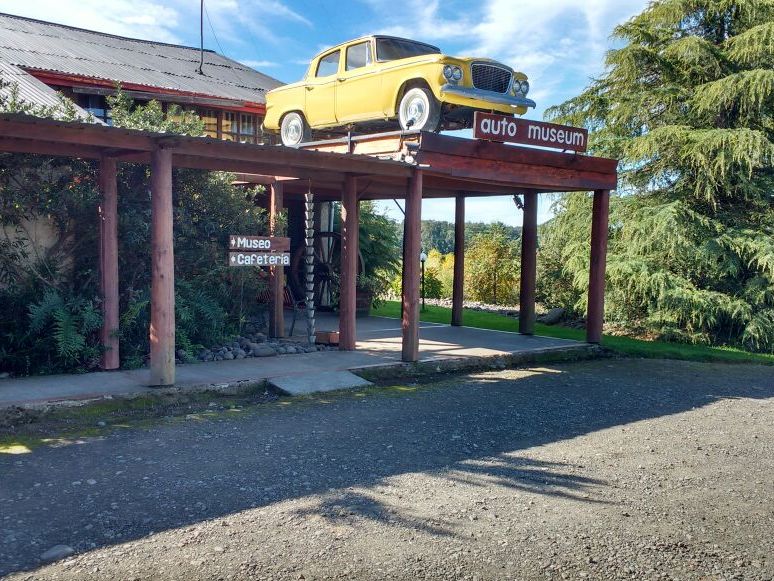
x=303 y=383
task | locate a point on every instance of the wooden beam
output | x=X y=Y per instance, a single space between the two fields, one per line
x=52 y=131
x=277 y=277
x=349 y=262
x=411 y=275
x=249 y=167
x=108 y=262
x=18 y=145
x=480 y=149
x=162 y=326
x=458 y=288
x=596 y=301
x=290 y=159
x=528 y=265
x=530 y=175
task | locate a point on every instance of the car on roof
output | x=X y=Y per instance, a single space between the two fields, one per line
x=376 y=82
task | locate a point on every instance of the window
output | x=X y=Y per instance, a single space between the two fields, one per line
x=390 y=49
x=358 y=55
x=230 y=126
x=329 y=64
x=242 y=127
x=97 y=106
x=247 y=128
x=210 y=118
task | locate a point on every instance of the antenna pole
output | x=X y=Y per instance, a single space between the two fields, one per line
x=201 y=38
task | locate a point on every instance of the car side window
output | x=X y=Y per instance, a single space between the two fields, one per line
x=329 y=64
x=358 y=55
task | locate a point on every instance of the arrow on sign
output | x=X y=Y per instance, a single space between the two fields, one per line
x=233 y=258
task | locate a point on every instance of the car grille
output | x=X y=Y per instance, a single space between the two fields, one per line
x=490 y=78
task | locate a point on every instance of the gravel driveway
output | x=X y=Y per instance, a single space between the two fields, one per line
x=605 y=469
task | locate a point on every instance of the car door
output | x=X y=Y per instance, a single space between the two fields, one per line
x=320 y=107
x=358 y=85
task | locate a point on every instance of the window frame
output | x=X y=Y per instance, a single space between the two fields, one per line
x=368 y=60
x=320 y=61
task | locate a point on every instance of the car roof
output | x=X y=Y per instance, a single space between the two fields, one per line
x=369 y=37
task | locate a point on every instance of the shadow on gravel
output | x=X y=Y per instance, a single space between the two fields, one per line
x=132 y=483
x=527 y=475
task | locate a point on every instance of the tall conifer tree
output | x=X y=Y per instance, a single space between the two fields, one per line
x=687 y=105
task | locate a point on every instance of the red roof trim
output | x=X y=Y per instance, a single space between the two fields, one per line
x=69 y=80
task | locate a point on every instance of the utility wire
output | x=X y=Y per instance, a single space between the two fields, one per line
x=223 y=52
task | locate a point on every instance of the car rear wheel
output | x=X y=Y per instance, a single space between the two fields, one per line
x=419 y=109
x=294 y=129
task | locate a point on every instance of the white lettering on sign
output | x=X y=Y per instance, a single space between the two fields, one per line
x=551 y=134
x=251 y=243
x=501 y=127
x=506 y=128
x=259 y=259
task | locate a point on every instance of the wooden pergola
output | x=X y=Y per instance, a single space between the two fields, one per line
x=396 y=166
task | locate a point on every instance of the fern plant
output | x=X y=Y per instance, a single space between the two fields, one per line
x=70 y=325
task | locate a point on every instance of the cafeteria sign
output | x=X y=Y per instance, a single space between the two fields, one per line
x=258 y=251
x=510 y=129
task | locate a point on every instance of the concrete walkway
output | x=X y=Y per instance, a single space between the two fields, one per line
x=379 y=344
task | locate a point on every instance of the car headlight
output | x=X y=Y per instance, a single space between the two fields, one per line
x=452 y=73
x=519 y=86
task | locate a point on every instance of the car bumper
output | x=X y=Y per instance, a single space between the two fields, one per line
x=480 y=99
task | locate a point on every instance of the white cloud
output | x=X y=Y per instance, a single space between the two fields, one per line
x=133 y=18
x=420 y=21
x=260 y=64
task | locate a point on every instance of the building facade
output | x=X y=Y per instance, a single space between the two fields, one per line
x=43 y=58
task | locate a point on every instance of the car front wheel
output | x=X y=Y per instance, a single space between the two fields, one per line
x=419 y=109
x=294 y=129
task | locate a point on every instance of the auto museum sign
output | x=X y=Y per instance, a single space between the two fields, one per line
x=258 y=251
x=513 y=130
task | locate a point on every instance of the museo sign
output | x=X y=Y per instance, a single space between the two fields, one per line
x=510 y=129
x=258 y=251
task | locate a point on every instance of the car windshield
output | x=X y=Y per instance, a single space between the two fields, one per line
x=390 y=49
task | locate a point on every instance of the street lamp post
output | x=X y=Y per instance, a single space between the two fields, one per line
x=422 y=258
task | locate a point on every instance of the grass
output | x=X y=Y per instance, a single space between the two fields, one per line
x=622 y=345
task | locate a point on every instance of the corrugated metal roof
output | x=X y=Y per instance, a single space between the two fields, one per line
x=33 y=44
x=31 y=90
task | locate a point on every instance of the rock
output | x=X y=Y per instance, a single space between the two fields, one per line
x=56 y=553
x=259 y=338
x=239 y=353
x=5 y=375
x=181 y=354
x=264 y=351
x=290 y=349
x=228 y=355
x=552 y=317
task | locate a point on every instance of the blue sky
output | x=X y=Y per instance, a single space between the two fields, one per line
x=559 y=44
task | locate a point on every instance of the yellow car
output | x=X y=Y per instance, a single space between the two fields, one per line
x=372 y=82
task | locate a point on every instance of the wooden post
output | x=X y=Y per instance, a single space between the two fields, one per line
x=596 y=306
x=162 y=326
x=413 y=241
x=528 y=265
x=458 y=287
x=108 y=261
x=277 y=276
x=349 y=262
